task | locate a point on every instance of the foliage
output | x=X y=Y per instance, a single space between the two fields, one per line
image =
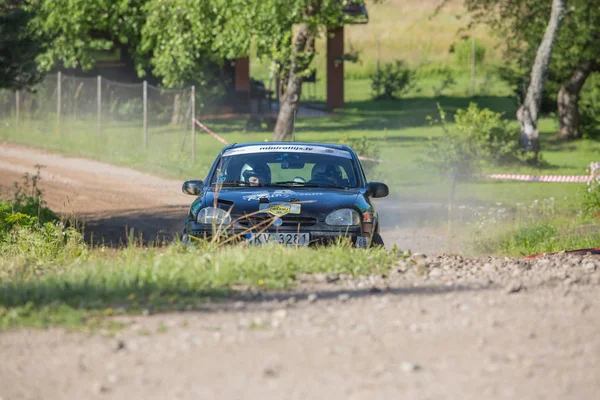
x=447 y=80
x=589 y=106
x=463 y=51
x=19 y=47
x=591 y=198
x=392 y=80
x=31 y=234
x=83 y=29
x=522 y=25
x=479 y=137
x=28 y=198
x=537 y=238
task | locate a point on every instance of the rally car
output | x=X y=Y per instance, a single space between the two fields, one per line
x=285 y=192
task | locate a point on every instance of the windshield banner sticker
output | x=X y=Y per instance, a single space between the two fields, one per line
x=287 y=149
x=279 y=209
x=277 y=194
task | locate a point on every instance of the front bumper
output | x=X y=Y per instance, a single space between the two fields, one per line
x=320 y=233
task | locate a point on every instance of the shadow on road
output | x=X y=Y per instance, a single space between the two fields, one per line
x=155 y=226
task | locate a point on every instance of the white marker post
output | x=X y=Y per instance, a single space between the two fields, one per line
x=99 y=105
x=145 y=106
x=193 y=100
x=17 y=106
x=59 y=99
x=472 y=66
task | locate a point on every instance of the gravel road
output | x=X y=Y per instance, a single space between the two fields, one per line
x=436 y=327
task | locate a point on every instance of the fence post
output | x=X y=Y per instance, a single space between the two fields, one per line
x=99 y=101
x=378 y=55
x=472 y=66
x=145 y=110
x=17 y=106
x=450 y=211
x=193 y=100
x=59 y=98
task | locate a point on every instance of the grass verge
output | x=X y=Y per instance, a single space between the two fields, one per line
x=82 y=292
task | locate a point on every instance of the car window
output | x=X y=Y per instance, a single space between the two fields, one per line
x=291 y=166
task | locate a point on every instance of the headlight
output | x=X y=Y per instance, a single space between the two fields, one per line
x=344 y=216
x=213 y=215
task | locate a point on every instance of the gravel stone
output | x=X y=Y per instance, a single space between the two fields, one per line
x=589 y=266
x=119 y=345
x=435 y=272
x=312 y=297
x=344 y=297
x=279 y=314
x=513 y=287
x=408 y=366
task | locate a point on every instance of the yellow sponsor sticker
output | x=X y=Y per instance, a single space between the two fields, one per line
x=279 y=209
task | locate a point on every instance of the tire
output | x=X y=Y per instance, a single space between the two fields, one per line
x=185 y=239
x=377 y=240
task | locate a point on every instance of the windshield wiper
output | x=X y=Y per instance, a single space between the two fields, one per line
x=305 y=184
x=292 y=182
x=232 y=183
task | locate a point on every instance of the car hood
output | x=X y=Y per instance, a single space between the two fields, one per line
x=313 y=201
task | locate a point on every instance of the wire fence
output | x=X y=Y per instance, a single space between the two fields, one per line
x=100 y=104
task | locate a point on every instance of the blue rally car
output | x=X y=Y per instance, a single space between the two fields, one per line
x=287 y=192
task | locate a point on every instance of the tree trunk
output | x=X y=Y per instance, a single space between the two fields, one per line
x=176 y=116
x=303 y=53
x=528 y=112
x=568 y=100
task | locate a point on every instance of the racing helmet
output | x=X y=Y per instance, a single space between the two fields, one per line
x=326 y=171
x=256 y=168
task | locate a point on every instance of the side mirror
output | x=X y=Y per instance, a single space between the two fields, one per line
x=377 y=189
x=192 y=187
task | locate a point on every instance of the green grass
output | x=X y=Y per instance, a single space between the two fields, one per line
x=539 y=238
x=84 y=291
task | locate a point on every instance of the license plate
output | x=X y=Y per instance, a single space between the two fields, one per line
x=292 y=239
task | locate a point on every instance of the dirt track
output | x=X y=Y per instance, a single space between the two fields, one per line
x=443 y=327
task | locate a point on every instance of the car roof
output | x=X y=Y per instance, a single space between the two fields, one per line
x=328 y=145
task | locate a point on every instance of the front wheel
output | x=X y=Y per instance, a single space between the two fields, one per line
x=185 y=238
x=377 y=240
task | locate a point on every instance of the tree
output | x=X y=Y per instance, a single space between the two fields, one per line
x=81 y=29
x=575 y=55
x=528 y=112
x=568 y=99
x=284 y=32
x=19 y=47
x=179 y=40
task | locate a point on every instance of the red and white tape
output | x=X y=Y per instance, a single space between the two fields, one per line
x=219 y=138
x=541 y=178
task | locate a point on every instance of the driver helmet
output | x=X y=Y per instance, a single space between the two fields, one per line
x=260 y=169
x=327 y=171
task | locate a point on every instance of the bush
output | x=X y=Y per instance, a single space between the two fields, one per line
x=591 y=199
x=392 y=80
x=463 y=50
x=447 y=81
x=589 y=107
x=31 y=234
x=479 y=137
x=28 y=198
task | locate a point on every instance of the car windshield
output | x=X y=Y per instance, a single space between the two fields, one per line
x=285 y=166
